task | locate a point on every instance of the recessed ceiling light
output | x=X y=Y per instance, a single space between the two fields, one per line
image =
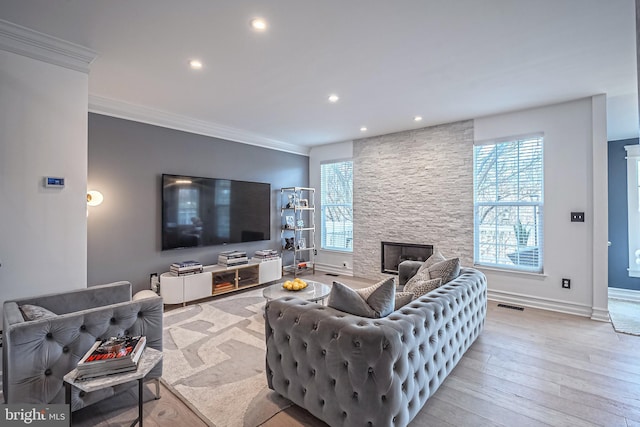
x=333 y=98
x=258 y=24
x=417 y=118
x=363 y=129
x=195 y=64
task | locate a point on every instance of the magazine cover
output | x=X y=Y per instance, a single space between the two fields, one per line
x=114 y=349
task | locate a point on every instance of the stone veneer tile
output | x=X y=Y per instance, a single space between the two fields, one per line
x=414 y=187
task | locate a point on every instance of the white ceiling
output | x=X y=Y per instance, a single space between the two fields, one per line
x=387 y=60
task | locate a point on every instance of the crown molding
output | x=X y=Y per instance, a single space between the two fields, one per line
x=33 y=44
x=138 y=113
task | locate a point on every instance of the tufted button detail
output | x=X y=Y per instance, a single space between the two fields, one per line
x=356 y=343
x=383 y=398
x=304 y=390
x=286 y=382
x=82 y=394
x=344 y=414
x=324 y=352
x=65 y=349
x=355 y=395
x=140 y=314
x=47 y=372
x=83 y=328
x=333 y=382
x=335 y=335
x=49 y=335
x=297 y=320
x=315 y=326
x=305 y=345
x=288 y=337
x=370 y=370
x=346 y=363
x=322 y=402
x=113 y=320
x=126 y=332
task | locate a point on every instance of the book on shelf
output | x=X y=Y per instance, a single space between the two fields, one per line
x=185 y=271
x=266 y=254
x=232 y=254
x=224 y=286
x=112 y=355
x=184 y=264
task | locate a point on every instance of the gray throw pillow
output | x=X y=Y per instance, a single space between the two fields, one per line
x=446 y=270
x=35 y=312
x=379 y=303
x=402 y=299
x=422 y=287
x=343 y=298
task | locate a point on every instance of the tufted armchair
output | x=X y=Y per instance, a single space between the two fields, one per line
x=355 y=371
x=36 y=354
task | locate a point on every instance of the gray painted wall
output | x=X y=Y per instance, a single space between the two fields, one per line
x=618 y=217
x=126 y=161
x=414 y=187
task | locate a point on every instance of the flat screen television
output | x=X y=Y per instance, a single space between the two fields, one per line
x=200 y=211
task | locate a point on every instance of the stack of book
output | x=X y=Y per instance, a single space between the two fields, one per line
x=223 y=287
x=266 y=255
x=232 y=258
x=185 y=267
x=113 y=356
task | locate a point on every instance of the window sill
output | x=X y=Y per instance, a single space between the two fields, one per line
x=336 y=251
x=539 y=276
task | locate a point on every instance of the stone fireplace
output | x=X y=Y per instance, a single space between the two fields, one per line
x=392 y=254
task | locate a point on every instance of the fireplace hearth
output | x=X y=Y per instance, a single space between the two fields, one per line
x=392 y=254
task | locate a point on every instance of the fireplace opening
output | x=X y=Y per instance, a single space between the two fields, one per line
x=392 y=254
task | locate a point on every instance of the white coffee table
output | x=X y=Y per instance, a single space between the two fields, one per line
x=315 y=291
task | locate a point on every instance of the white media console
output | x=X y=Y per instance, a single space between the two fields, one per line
x=218 y=279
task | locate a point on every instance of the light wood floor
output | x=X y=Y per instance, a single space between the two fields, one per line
x=528 y=368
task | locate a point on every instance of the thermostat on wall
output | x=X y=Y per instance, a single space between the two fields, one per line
x=53 y=182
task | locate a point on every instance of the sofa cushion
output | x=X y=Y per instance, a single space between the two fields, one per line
x=421 y=287
x=35 y=312
x=403 y=298
x=446 y=270
x=379 y=303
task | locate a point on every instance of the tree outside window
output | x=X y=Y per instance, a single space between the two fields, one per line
x=508 y=199
x=336 y=204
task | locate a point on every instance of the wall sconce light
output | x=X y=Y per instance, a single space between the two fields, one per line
x=94 y=198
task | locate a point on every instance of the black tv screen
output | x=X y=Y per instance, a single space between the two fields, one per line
x=207 y=211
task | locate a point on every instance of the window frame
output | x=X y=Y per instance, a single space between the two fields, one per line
x=523 y=255
x=348 y=247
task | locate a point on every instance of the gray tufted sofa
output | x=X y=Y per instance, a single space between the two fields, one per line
x=354 y=371
x=36 y=354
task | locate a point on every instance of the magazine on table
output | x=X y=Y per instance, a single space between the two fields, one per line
x=112 y=354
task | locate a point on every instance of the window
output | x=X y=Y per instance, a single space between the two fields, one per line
x=336 y=204
x=633 y=206
x=508 y=204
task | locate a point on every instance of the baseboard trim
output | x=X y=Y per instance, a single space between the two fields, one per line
x=600 y=314
x=328 y=268
x=624 y=294
x=542 y=303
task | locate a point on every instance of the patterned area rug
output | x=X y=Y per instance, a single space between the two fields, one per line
x=214 y=360
x=625 y=316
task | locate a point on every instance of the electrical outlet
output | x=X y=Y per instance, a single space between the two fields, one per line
x=566 y=283
x=577 y=216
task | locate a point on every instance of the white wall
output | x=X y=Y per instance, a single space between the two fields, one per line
x=43 y=132
x=332 y=261
x=572 y=136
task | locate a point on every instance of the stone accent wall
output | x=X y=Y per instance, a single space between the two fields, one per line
x=413 y=187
